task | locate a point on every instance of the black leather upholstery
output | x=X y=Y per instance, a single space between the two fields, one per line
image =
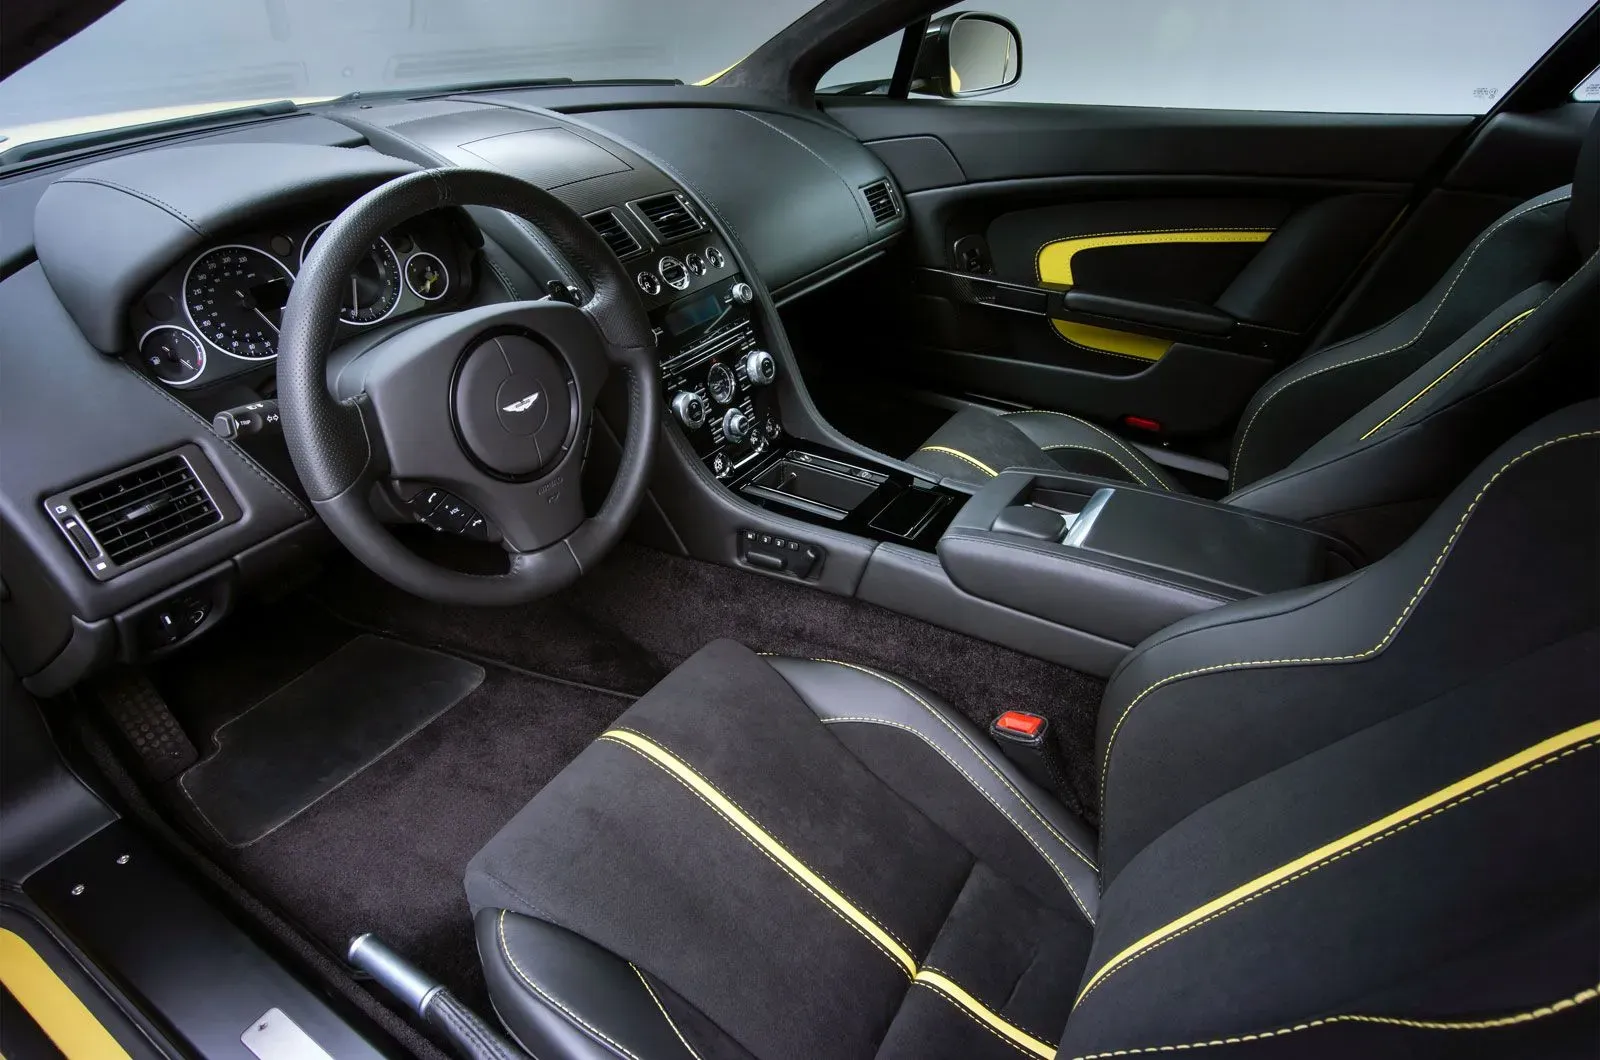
x=1354 y=819
x=1364 y=436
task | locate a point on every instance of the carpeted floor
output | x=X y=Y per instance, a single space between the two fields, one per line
x=386 y=852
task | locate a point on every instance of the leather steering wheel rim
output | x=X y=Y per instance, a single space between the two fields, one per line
x=391 y=427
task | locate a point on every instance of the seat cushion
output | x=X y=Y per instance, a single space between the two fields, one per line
x=803 y=859
x=975 y=445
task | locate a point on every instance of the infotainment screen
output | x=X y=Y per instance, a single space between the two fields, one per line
x=691 y=314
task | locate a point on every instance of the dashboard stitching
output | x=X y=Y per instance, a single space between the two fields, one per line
x=141 y=196
x=808 y=150
x=249 y=460
x=505 y=281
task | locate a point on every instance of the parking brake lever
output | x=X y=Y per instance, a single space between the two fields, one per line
x=468 y=1034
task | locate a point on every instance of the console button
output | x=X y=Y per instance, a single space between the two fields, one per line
x=695 y=263
x=736 y=425
x=714 y=258
x=689 y=409
x=649 y=283
x=760 y=367
x=742 y=293
x=721 y=384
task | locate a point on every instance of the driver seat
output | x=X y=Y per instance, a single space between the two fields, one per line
x=1359 y=816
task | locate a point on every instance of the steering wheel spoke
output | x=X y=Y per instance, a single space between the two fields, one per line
x=491 y=404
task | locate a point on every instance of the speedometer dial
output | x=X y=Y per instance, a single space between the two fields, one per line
x=235 y=295
x=373 y=289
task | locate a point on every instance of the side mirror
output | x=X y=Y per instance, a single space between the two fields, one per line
x=967 y=54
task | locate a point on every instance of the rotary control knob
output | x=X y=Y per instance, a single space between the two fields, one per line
x=689 y=409
x=736 y=425
x=742 y=293
x=760 y=368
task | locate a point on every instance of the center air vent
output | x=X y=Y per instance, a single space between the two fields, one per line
x=881 y=201
x=615 y=233
x=143 y=511
x=670 y=216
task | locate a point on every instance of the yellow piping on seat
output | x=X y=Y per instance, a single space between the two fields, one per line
x=959 y=455
x=1053 y=265
x=797 y=870
x=1501 y=330
x=1507 y=769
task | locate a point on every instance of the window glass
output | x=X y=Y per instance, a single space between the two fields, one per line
x=1373 y=56
x=1588 y=90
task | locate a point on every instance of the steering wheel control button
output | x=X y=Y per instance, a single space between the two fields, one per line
x=760 y=368
x=513 y=405
x=649 y=283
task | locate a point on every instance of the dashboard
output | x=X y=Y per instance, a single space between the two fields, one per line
x=143 y=284
x=215 y=313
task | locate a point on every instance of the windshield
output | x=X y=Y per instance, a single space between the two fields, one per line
x=153 y=59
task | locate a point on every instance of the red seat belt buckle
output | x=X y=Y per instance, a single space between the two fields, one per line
x=1019 y=723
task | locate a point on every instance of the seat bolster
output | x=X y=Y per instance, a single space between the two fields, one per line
x=565 y=998
x=1088 y=449
x=844 y=693
x=975 y=445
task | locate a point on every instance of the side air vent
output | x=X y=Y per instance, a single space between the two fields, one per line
x=139 y=513
x=881 y=201
x=671 y=217
x=615 y=233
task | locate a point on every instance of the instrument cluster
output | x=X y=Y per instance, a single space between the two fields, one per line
x=217 y=312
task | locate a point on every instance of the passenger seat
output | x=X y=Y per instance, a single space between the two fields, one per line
x=1363 y=437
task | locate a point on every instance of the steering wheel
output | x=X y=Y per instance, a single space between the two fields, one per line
x=491 y=404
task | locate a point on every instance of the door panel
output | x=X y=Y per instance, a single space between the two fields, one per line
x=1165 y=262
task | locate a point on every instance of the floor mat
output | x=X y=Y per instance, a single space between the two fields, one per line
x=387 y=852
x=315 y=733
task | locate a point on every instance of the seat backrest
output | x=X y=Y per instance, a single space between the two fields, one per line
x=1494 y=281
x=1364 y=815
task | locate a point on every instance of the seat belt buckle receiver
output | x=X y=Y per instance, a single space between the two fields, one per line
x=1025 y=741
x=1016 y=726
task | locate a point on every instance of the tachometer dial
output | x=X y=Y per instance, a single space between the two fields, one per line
x=173 y=355
x=234 y=296
x=426 y=276
x=373 y=289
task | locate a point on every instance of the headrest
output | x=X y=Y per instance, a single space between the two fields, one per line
x=1583 y=216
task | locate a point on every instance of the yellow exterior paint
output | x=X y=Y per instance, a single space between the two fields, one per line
x=52 y=1004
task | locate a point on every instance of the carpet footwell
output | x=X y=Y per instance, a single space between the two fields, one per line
x=387 y=851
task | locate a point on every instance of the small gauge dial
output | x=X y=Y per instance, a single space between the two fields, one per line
x=721 y=384
x=172 y=355
x=234 y=296
x=427 y=276
x=373 y=289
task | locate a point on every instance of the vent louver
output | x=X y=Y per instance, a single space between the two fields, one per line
x=615 y=233
x=137 y=513
x=881 y=201
x=670 y=216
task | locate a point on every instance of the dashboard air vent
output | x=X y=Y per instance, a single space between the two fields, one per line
x=142 y=511
x=670 y=216
x=881 y=201
x=615 y=233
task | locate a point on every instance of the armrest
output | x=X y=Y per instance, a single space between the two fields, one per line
x=1127 y=561
x=1178 y=316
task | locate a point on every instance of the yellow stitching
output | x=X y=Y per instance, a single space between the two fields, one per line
x=999 y=776
x=1105 y=765
x=505 y=948
x=903 y=960
x=1580 y=998
x=1092 y=449
x=1117 y=964
x=1239 y=456
x=983 y=1015
x=649 y=990
x=959 y=455
x=735 y=804
x=1138 y=461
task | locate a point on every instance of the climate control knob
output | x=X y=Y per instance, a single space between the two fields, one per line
x=736 y=425
x=760 y=368
x=742 y=293
x=690 y=410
